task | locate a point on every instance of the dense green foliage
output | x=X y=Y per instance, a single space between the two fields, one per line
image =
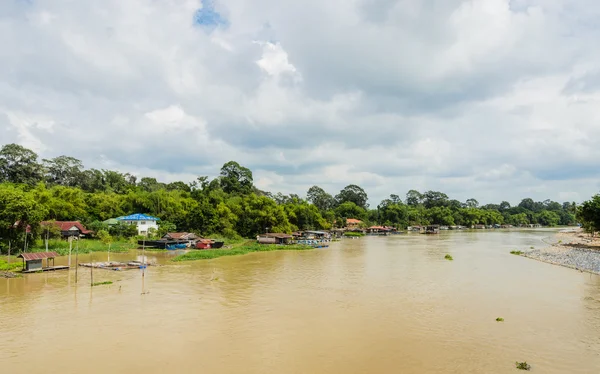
x=589 y=214
x=229 y=205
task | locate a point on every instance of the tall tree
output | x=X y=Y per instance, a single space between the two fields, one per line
x=434 y=198
x=236 y=178
x=19 y=165
x=352 y=193
x=588 y=214
x=319 y=198
x=413 y=198
x=63 y=170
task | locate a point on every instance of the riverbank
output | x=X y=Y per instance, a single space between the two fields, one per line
x=573 y=249
x=242 y=249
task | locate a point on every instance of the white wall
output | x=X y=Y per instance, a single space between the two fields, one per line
x=144 y=226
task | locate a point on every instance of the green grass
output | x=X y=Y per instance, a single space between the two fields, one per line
x=448 y=257
x=499 y=319
x=353 y=234
x=101 y=283
x=85 y=246
x=242 y=249
x=518 y=253
x=14 y=265
x=523 y=365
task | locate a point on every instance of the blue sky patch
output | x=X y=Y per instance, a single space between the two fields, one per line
x=209 y=18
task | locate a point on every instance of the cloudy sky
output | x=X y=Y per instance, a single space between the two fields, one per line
x=491 y=99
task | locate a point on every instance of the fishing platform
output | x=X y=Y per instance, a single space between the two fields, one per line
x=32 y=262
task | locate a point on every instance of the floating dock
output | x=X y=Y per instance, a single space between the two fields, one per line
x=32 y=262
x=48 y=268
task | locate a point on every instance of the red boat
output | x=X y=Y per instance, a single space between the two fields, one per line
x=208 y=244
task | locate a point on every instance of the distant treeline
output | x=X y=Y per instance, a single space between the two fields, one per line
x=62 y=189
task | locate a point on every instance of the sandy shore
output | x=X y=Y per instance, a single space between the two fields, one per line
x=570 y=248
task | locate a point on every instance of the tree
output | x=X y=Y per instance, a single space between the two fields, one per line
x=349 y=209
x=527 y=203
x=504 y=206
x=235 y=178
x=434 y=198
x=588 y=214
x=19 y=165
x=319 y=198
x=179 y=186
x=166 y=227
x=352 y=193
x=413 y=198
x=547 y=218
x=63 y=170
x=472 y=203
x=105 y=238
x=149 y=184
x=19 y=213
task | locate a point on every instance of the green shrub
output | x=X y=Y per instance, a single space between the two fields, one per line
x=448 y=257
x=523 y=365
x=353 y=234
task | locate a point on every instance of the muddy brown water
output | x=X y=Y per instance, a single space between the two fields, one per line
x=370 y=305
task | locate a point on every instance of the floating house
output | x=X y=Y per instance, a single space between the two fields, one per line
x=479 y=227
x=274 y=238
x=143 y=222
x=181 y=236
x=432 y=229
x=381 y=230
x=321 y=235
x=68 y=228
x=32 y=262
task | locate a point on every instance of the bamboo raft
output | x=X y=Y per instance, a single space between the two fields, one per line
x=117 y=266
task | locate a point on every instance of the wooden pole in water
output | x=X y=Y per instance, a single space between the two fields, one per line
x=143 y=262
x=76 y=261
x=91 y=270
x=70 y=247
x=8 y=259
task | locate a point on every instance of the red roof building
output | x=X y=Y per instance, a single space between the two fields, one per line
x=68 y=228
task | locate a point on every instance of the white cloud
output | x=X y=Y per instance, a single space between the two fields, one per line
x=492 y=99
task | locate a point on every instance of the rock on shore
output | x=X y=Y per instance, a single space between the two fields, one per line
x=575 y=258
x=577 y=252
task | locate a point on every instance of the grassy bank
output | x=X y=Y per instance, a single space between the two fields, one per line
x=14 y=265
x=353 y=234
x=240 y=249
x=85 y=246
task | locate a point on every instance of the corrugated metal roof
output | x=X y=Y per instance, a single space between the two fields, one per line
x=37 y=256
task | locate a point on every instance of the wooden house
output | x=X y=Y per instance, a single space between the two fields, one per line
x=68 y=228
x=32 y=262
x=181 y=236
x=274 y=238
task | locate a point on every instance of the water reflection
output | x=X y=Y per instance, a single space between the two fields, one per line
x=376 y=304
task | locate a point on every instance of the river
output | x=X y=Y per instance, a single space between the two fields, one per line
x=370 y=305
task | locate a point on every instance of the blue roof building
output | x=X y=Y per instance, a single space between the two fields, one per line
x=144 y=222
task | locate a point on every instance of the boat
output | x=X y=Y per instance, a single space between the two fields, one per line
x=208 y=244
x=432 y=229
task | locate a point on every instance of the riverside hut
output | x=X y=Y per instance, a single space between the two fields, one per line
x=275 y=238
x=32 y=262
